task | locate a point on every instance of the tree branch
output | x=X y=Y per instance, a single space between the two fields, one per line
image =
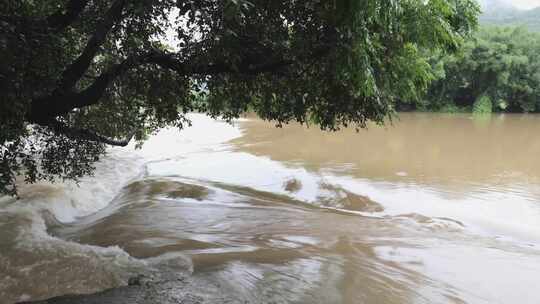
x=77 y=69
x=78 y=133
x=60 y=103
x=66 y=16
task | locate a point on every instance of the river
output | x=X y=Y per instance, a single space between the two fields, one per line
x=430 y=209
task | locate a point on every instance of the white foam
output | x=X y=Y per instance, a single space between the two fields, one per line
x=67 y=200
x=496 y=213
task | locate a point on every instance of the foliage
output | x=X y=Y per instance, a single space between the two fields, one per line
x=501 y=63
x=79 y=74
x=482 y=105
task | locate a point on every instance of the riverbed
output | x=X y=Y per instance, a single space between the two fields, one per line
x=430 y=208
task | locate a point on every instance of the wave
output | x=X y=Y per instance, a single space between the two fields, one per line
x=31 y=256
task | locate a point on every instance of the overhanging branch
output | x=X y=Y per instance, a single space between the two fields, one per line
x=61 y=103
x=84 y=134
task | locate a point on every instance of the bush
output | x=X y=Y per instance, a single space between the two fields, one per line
x=482 y=105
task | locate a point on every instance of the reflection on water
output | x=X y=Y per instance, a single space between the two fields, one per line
x=437 y=209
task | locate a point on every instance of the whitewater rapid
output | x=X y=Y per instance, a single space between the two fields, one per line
x=53 y=266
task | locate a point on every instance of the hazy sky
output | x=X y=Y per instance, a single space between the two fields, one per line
x=524 y=4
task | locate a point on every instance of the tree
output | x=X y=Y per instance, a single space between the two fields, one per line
x=77 y=75
x=497 y=65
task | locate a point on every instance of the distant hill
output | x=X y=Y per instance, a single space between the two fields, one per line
x=496 y=12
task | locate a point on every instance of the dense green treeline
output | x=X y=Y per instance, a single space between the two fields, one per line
x=498 y=69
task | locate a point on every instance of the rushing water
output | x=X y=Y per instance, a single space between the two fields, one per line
x=434 y=209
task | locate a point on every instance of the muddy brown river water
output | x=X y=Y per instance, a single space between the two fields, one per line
x=433 y=209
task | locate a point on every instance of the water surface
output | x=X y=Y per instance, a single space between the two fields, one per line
x=433 y=209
